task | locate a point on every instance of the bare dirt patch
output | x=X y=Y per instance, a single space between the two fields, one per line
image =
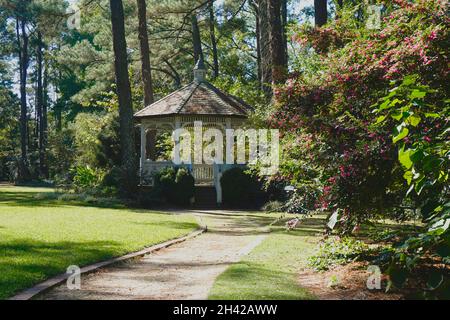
x=346 y=282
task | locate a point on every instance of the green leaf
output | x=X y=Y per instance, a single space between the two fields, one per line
x=417 y=155
x=409 y=80
x=414 y=120
x=420 y=184
x=403 y=132
x=380 y=119
x=417 y=94
x=432 y=115
x=441 y=226
x=405 y=158
x=408 y=176
x=385 y=105
x=397 y=115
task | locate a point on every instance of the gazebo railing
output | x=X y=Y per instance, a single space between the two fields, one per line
x=202 y=173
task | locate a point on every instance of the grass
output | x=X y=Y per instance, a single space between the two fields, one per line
x=41 y=236
x=270 y=271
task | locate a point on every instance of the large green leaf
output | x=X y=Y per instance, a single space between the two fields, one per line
x=403 y=132
x=404 y=156
x=414 y=120
x=417 y=94
x=408 y=175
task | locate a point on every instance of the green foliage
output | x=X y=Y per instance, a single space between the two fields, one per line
x=87 y=128
x=422 y=132
x=9 y=130
x=174 y=185
x=337 y=251
x=238 y=187
x=324 y=109
x=184 y=187
x=86 y=178
x=107 y=151
x=418 y=116
x=61 y=154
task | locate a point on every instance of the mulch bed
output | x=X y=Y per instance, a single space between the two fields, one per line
x=346 y=282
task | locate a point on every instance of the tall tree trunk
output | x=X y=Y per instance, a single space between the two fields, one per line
x=129 y=165
x=284 y=21
x=44 y=121
x=258 y=51
x=254 y=5
x=22 y=45
x=196 y=40
x=320 y=12
x=40 y=104
x=276 y=42
x=212 y=35
x=57 y=108
x=340 y=5
x=145 y=53
x=266 y=58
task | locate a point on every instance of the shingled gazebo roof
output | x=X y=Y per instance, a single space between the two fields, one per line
x=197 y=98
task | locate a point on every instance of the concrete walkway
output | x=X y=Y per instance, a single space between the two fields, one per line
x=183 y=271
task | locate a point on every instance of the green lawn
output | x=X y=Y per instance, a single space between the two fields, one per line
x=270 y=270
x=41 y=238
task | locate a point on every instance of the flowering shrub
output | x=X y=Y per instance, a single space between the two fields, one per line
x=371 y=149
x=327 y=138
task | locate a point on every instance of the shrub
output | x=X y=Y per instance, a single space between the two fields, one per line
x=86 y=178
x=335 y=251
x=164 y=181
x=184 y=187
x=273 y=206
x=174 y=185
x=238 y=187
x=46 y=196
x=112 y=177
x=325 y=117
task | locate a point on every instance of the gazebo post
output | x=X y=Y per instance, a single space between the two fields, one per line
x=143 y=146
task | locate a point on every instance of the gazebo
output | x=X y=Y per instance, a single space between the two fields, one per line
x=197 y=101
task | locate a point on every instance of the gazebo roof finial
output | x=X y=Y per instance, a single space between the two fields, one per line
x=200 y=70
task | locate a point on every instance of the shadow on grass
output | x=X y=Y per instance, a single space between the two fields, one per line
x=24 y=263
x=170 y=224
x=21 y=198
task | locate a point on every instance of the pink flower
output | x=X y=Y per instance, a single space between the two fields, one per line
x=433 y=35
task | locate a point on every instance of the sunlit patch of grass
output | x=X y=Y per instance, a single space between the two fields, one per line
x=41 y=238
